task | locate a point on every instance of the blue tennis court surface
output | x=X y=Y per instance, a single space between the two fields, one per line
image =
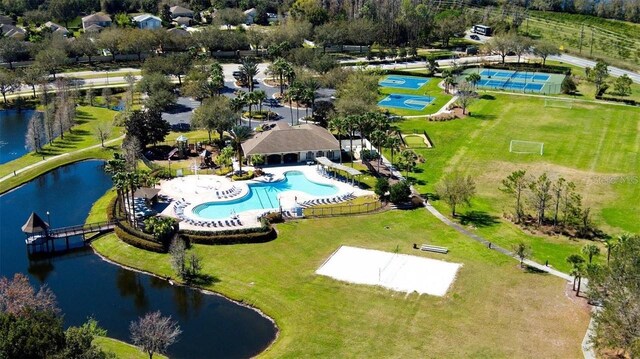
x=406 y=102
x=403 y=82
x=510 y=85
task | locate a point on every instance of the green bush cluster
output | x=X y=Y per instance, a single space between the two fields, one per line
x=139 y=242
x=224 y=171
x=243 y=177
x=235 y=236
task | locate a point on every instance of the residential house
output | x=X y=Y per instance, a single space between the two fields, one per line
x=147 y=21
x=55 y=28
x=179 y=11
x=12 y=31
x=292 y=144
x=96 y=21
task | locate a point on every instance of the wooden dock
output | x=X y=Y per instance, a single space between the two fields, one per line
x=87 y=231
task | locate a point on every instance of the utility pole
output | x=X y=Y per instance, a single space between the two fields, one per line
x=581 y=37
x=591 y=50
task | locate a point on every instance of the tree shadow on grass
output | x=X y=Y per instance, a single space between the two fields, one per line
x=487 y=97
x=483 y=117
x=202 y=280
x=533 y=270
x=478 y=219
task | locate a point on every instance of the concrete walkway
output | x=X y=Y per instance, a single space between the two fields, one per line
x=37 y=164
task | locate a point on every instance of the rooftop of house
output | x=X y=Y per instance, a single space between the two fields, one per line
x=145 y=17
x=97 y=17
x=284 y=138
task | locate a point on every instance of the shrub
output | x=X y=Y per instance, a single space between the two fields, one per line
x=399 y=192
x=224 y=171
x=239 y=236
x=139 y=242
x=369 y=155
x=274 y=217
x=382 y=186
x=243 y=177
x=568 y=85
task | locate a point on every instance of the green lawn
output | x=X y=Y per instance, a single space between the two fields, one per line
x=494 y=309
x=429 y=89
x=82 y=136
x=596 y=146
x=121 y=349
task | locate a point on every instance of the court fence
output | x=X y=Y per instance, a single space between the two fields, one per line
x=342 y=210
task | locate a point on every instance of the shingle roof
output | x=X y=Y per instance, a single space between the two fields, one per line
x=179 y=9
x=97 y=17
x=286 y=139
x=144 y=17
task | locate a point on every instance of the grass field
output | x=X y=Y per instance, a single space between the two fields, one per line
x=596 y=146
x=430 y=89
x=494 y=309
x=121 y=349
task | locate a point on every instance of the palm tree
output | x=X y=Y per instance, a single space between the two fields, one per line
x=609 y=244
x=259 y=97
x=351 y=124
x=590 y=250
x=432 y=66
x=408 y=160
x=133 y=183
x=339 y=126
x=449 y=80
x=576 y=262
x=237 y=104
x=250 y=99
x=312 y=86
x=249 y=70
x=288 y=97
x=295 y=93
x=280 y=68
x=473 y=79
x=239 y=134
x=393 y=144
x=377 y=139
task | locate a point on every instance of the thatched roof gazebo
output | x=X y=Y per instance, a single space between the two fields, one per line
x=35 y=225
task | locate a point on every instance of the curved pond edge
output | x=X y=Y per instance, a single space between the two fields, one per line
x=105 y=258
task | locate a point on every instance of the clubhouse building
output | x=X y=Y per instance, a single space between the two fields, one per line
x=292 y=144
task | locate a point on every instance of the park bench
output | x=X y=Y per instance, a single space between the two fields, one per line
x=436 y=249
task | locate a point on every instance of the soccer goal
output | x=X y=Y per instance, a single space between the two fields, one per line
x=558 y=103
x=526 y=147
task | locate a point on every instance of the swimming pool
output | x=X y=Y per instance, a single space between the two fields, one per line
x=264 y=196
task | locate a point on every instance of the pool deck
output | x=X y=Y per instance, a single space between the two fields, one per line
x=198 y=189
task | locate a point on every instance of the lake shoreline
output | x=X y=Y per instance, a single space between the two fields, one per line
x=107 y=259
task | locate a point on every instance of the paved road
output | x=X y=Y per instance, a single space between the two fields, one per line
x=577 y=61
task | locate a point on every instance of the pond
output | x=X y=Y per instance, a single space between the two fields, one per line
x=13 y=127
x=85 y=285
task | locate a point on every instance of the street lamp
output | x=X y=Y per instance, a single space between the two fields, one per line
x=48 y=222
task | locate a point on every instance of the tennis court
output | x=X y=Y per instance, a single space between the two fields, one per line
x=524 y=81
x=406 y=102
x=403 y=82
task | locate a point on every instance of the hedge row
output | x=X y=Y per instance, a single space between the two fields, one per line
x=138 y=242
x=223 y=238
x=628 y=101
